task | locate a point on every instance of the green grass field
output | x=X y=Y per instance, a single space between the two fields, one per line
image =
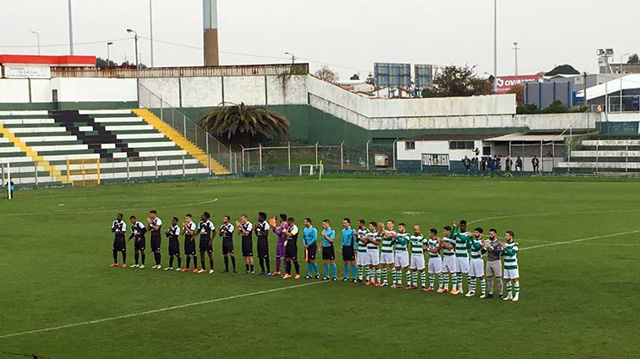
x=579 y=267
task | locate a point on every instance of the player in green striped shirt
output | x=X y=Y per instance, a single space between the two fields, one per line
x=373 y=251
x=386 y=257
x=511 y=271
x=449 y=267
x=462 y=240
x=418 y=246
x=401 y=256
x=435 y=262
x=476 y=270
x=363 y=258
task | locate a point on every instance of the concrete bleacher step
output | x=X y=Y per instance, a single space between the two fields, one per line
x=181 y=141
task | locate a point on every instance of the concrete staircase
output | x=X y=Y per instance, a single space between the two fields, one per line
x=604 y=155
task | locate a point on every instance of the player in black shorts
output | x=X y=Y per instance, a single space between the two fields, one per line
x=154 y=226
x=310 y=241
x=189 y=230
x=137 y=234
x=173 y=233
x=207 y=232
x=262 y=234
x=328 y=251
x=226 y=232
x=245 y=229
x=118 y=227
x=291 y=249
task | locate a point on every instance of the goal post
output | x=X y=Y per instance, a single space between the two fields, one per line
x=312 y=169
x=83 y=172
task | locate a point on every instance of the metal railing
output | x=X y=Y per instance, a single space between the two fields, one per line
x=188 y=128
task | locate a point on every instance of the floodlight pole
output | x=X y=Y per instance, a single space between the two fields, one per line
x=70 y=29
x=621 y=90
x=38 y=37
x=150 y=28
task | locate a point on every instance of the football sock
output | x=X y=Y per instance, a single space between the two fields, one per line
x=157 y=258
x=297 y=266
x=226 y=263
x=188 y=261
x=315 y=266
x=440 y=281
x=499 y=285
x=246 y=267
x=143 y=257
x=354 y=269
x=483 y=285
x=277 y=263
x=432 y=279
x=472 y=285
x=124 y=257
x=115 y=256
x=516 y=288
x=171 y=261
x=251 y=267
x=379 y=274
x=334 y=270
x=385 y=275
x=393 y=276
x=137 y=257
x=326 y=270
x=346 y=272
x=454 y=281
x=509 y=289
x=423 y=279
x=261 y=262
x=446 y=281
x=195 y=262
x=233 y=262
x=210 y=263
x=268 y=264
x=414 y=279
x=179 y=261
x=459 y=277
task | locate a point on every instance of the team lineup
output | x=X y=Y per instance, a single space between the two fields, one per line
x=369 y=252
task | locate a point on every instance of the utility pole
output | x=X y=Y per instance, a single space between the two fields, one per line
x=38 y=36
x=495 y=46
x=293 y=58
x=515 y=49
x=621 y=76
x=151 y=28
x=135 y=38
x=70 y=30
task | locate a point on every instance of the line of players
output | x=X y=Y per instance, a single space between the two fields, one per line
x=369 y=252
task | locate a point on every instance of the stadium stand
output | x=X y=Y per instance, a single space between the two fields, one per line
x=605 y=155
x=125 y=145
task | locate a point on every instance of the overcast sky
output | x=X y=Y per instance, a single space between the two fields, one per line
x=347 y=35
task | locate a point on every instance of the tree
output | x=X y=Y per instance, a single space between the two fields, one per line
x=527 y=109
x=556 y=107
x=242 y=125
x=519 y=92
x=355 y=77
x=460 y=81
x=326 y=74
x=100 y=62
x=633 y=59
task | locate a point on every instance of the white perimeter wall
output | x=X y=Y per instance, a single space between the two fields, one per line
x=384 y=108
x=86 y=89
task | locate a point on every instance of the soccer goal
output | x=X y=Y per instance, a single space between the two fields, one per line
x=83 y=172
x=311 y=170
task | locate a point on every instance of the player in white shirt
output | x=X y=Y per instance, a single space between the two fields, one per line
x=189 y=230
x=245 y=229
x=207 y=232
x=362 y=235
x=435 y=262
x=418 y=245
x=155 y=226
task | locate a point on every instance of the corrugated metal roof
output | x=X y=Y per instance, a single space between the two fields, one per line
x=519 y=137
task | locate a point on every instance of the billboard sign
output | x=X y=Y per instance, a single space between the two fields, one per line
x=392 y=75
x=423 y=75
x=506 y=83
x=27 y=72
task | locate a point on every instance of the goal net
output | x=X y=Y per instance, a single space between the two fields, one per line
x=83 y=172
x=311 y=169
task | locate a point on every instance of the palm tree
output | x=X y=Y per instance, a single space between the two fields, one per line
x=242 y=125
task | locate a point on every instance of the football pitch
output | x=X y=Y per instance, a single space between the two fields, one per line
x=579 y=268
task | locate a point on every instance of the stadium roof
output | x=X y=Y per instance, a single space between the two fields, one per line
x=518 y=137
x=630 y=82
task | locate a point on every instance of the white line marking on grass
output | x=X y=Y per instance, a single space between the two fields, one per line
x=154 y=311
x=581 y=240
